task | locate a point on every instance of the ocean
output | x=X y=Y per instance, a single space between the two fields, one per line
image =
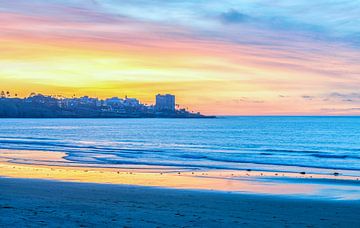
x=261 y=143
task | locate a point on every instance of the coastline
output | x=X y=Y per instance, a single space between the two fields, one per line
x=44 y=202
x=45 y=106
x=113 y=117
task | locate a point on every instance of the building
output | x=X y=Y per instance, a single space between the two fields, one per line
x=114 y=101
x=132 y=102
x=165 y=103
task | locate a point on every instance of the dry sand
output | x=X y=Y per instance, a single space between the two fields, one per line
x=33 y=203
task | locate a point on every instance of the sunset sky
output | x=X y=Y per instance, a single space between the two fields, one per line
x=244 y=57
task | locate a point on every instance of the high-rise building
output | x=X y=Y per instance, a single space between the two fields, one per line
x=165 y=102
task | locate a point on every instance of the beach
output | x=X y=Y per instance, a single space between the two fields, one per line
x=32 y=203
x=58 y=196
x=224 y=172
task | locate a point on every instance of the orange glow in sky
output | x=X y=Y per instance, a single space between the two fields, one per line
x=218 y=58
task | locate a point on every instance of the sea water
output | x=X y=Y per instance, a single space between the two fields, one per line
x=276 y=143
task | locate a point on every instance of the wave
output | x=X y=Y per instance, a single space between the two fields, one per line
x=183 y=155
x=291 y=151
x=334 y=156
x=193 y=156
x=208 y=166
x=27 y=137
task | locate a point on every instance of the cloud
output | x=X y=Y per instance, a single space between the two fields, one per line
x=247 y=100
x=353 y=110
x=233 y=16
x=335 y=97
x=345 y=97
x=283 y=96
x=307 y=97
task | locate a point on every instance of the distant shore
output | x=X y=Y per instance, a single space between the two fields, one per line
x=51 y=203
x=41 y=106
x=112 y=117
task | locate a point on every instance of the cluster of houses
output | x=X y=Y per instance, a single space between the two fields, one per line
x=164 y=103
x=38 y=105
x=110 y=104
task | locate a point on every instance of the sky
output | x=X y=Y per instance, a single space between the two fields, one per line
x=239 y=57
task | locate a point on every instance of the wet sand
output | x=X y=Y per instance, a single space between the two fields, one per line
x=32 y=203
x=20 y=164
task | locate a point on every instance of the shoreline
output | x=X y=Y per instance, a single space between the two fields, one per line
x=295 y=185
x=44 y=202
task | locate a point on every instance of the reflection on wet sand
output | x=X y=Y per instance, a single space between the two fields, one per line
x=14 y=164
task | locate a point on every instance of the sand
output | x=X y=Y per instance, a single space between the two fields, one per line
x=16 y=164
x=34 y=202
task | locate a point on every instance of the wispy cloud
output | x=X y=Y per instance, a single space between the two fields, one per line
x=345 y=97
x=234 y=16
x=335 y=97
